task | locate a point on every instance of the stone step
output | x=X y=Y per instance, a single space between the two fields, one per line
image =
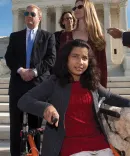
x=120 y=91
x=4 y=85
x=119 y=79
x=4 y=118
x=4 y=98
x=4 y=148
x=3 y=91
x=4 y=107
x=4 y=132
x=126 y=96
x=4 y=80
x=118 y=84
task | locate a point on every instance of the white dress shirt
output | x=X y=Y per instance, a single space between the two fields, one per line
x=34 y=36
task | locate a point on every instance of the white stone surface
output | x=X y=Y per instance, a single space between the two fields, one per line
x=119 y=79
x=3 y=68
x=4 y=85
x=3 y=91
x=4 y=98
x=3 y=45
x=4 y=80
x=4 y=118
x=127 y=65
x=4 y=148
x=4 y=132
x=4 y=107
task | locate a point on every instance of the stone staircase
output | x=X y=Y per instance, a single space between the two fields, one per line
x=4 y=117
x=118 y=85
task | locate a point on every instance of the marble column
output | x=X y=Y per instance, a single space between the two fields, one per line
x=21 y=20
x=123 y=19
x=107 y=24
x=49 y=22
x=124 y=26
x=15 y=20
x=123 y=15
x=44 y=18
x=58 y=11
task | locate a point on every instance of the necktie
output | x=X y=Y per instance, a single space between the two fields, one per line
x=29 y=48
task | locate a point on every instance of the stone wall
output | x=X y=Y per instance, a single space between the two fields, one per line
x=4 y=71
x=3 y=45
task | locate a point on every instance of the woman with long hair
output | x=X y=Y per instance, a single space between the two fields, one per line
x=71 y=96
x=88 y=28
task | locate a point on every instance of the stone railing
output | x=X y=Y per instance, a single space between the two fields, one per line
x=3 y=45
x=4 y=70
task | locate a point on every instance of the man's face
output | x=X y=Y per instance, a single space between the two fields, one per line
x=32 y=17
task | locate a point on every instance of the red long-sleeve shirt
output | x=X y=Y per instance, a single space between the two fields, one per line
x=82 y=131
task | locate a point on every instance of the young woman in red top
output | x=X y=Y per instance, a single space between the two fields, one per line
x=72 y=97
x=88 y=28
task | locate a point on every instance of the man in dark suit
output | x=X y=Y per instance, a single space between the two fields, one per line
x=30 y=56
x=118 y=33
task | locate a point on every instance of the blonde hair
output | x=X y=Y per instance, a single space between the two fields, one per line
x=35 y=6
x=93 y=26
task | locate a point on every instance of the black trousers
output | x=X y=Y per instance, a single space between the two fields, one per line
x=16 y=120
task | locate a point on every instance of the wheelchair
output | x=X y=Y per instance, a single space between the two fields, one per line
x=27 y=136
x=28 y=146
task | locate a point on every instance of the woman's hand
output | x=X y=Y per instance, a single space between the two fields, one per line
x=51 y=113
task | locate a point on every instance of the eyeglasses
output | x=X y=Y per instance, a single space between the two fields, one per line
x=78 y=7
x=68 y=18
x=26 y=13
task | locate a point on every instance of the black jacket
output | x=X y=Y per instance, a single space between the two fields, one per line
x=42 y=58
x=126 y=39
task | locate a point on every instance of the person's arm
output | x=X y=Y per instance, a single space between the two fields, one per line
x=113 y=99
x=34 y=101
x=115 y=32
x=120 y=34
x=49 y=59
x=126 y=39
x=10 y=56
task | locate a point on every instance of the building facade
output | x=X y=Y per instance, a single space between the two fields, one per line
x=111 y=13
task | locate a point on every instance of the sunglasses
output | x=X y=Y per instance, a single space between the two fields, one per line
x=78 y=7
x=26 y=13
x=68 y=18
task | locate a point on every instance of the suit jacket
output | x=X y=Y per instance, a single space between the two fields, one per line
x=34 y=102
x=126 y=39
x=42 y=58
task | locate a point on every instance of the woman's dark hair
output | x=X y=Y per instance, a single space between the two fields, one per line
x=62 y=18
x=90 y=78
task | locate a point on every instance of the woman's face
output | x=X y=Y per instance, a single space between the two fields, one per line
x=68 y=21
x=79 y=10
x=78 y=62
